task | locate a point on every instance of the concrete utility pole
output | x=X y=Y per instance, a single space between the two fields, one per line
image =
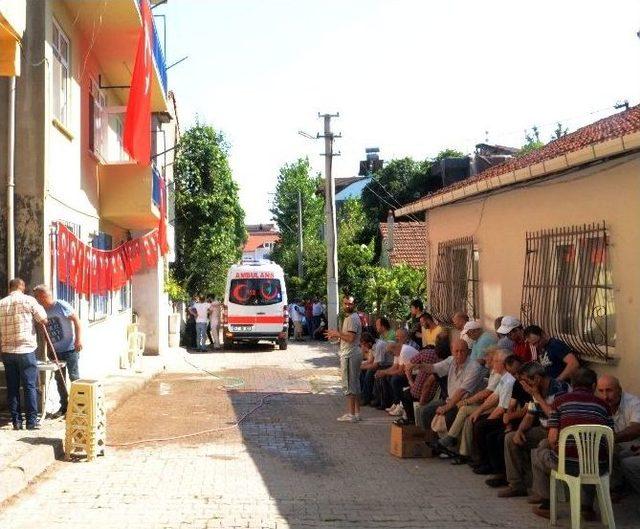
x=300 y=238
x=330 y=232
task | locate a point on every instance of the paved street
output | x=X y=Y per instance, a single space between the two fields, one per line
x=288 y=463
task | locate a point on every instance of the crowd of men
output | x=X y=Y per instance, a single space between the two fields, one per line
x=493 y=399
x=21 y=315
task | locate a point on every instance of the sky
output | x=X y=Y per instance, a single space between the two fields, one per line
x=411 y=77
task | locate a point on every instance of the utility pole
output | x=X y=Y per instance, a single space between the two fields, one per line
x=330 y=232
x=300 y=238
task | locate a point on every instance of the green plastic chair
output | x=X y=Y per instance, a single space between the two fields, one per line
x=587 y=438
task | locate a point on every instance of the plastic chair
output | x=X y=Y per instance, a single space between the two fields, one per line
x=136 y=349
x=587 y=438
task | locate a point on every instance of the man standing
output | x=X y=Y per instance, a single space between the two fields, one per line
x=316 y=316
x=215 y=308
x=350 y=358
x=200 y=312
x=66 y=337
x=18 y=342
x=578 y=407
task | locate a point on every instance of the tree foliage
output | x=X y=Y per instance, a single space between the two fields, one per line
x=532 y=141
x=210 y=229
x=559 y=132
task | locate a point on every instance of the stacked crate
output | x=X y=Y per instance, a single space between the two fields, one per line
x=86 y=420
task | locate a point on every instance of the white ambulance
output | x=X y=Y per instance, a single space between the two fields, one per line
x=255 y=304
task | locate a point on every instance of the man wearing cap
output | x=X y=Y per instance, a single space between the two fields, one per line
x=481 y=339
x=512 y=329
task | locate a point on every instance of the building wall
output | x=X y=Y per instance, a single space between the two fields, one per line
x=609 y=192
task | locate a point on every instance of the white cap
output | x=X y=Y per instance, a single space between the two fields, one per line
x=507 y=324
x=470 y=326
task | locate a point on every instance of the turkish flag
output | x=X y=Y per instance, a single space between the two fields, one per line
x=93 y=285
x=79 y=275
x=150 y=245
x=103 y=272
x=62 y=252
x=135 y=255
x=73 y=260
x=136 y=138
x=86 y=276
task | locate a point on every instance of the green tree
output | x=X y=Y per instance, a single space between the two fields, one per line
x=388 y=291
x=210 y=229
x=532 y=141
x=559 y=132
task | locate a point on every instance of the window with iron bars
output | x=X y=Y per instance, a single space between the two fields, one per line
x=100 y=304
x=567 y=288
x=454 y=287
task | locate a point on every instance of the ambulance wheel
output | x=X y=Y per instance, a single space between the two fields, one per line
x=282 y=344
x=228 y=344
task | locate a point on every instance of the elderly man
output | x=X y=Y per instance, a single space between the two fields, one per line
x=511 y=328
x=464 y=378
x=480 y=339
x=350 y=358
x=65 y=332
x=18 y=342
x=579 y=406
x=458 y=320
x=625 y=408
x=395 y=375
x=484 y=401
x=518 y=445
x=554 y=355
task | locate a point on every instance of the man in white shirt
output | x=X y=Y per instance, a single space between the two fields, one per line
x=296 y=314
x=317 y=309
x=625 y=408
x=19 y=314
x=200 y=311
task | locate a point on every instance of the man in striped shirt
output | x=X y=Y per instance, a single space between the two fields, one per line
x=19 y=314
x=580 y=406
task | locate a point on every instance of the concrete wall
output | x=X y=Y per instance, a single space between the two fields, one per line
x=609 y=192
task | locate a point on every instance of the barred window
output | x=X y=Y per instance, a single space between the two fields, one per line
x=567 y=288
x=455 y=282
x=64 y=290
x=99 y=304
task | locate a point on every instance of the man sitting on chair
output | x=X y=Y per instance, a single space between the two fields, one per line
x=579 y=406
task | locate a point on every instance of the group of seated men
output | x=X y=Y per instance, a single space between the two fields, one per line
x=498 y=400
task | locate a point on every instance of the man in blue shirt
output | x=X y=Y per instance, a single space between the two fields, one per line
x=554 y=355
x=480 y=339
x=65 y=332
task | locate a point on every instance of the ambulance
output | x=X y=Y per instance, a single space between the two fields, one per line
x=255 y=304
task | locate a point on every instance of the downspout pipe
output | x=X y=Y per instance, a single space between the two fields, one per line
x=11 y=141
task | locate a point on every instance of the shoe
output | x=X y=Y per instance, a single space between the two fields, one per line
x=391 y=409
x=512 y=493
x=496 y=483
x=483 y=470
x=347 y=417
x=58 y=414
x=18 y=426
x=403 y=421
x=447 y=441
x=35 y=426
x=542 y=510
x=460 y=460
x=357 y=417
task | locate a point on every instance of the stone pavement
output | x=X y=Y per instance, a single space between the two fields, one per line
x=25 y=454
x=288 y=464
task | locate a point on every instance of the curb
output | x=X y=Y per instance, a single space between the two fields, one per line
x=18 y=475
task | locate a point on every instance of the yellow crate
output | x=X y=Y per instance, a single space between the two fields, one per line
x=86 y=422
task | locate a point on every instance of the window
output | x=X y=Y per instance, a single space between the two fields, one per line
x=454 y=286
x=122 y=298
x=63 y=290
x=60 y=72
x=99 y=303
x=567 y=287
x=98 y=125
x=255 y=292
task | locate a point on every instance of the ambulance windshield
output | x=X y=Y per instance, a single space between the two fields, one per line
x=255 y=291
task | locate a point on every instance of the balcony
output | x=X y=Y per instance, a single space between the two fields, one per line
x=130 y=195
x=116 y=43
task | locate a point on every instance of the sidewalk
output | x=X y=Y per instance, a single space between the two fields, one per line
x=24 y=454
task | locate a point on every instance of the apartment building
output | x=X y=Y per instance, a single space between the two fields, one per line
x=76 y=61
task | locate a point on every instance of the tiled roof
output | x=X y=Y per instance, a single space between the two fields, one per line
x=605 y=129
x=409 y=243
x=257 y=240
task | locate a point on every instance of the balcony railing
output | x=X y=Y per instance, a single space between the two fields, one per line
x=156 y=183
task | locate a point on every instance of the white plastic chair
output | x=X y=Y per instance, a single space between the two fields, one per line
x=587 y=438
x=136 y=349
